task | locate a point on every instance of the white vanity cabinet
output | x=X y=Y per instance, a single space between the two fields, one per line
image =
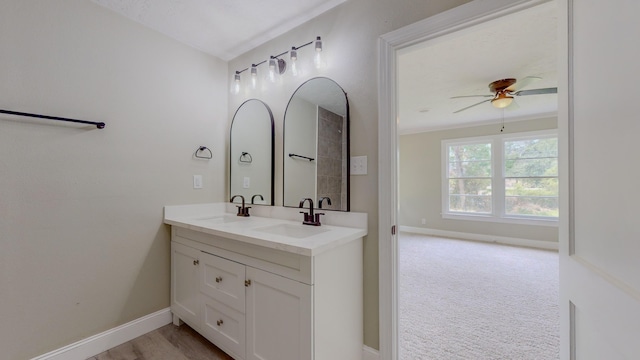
x=261 y=303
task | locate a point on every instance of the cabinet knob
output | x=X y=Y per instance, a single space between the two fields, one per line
x=218 y=279
x=247 y=283
x=220 y=322
x=196 y=262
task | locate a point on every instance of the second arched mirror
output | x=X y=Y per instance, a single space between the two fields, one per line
x=316 y=146
x=252 y=148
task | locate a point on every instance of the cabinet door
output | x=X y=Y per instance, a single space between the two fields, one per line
x=279 y=317
x=185 y=292
x=223 y=280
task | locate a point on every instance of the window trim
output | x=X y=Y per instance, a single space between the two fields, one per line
x=498 y=205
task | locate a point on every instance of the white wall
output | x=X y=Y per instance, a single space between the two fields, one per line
x=420 y=179
x=350 y=33
x=82 y=244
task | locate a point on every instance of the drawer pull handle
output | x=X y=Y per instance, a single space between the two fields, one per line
x=218 y=279
x=196 y=262
x=247 y=283
x=220 y=322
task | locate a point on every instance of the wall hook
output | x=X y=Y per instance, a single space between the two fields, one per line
x=202 y=149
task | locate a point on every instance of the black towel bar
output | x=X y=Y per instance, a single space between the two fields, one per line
x=99 y=125
x=300 y=156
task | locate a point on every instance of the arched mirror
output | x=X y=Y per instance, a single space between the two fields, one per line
x=316 y=146
x=252 y=150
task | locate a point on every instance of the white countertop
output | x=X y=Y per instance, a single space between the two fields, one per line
x=267 y=230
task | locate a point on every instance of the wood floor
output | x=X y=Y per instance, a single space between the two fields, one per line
x=169 y=342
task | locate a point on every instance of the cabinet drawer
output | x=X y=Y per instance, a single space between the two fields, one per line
x=224 y=326
x=223 y=280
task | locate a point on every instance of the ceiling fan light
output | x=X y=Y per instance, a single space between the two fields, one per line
x=502 y=101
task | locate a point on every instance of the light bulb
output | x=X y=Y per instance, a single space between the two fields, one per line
x=318 y=57
x=272 y=69
x=254 y=76
x=236 y=83
x=294 y=57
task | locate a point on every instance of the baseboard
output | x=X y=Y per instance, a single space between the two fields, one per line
x=370 y=354
x=104 y=341
x=546 y=245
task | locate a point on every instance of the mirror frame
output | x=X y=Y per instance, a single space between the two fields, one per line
x=348 y=146
x=272 y=177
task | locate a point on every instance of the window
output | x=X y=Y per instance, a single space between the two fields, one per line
x=470 y=178
x=531 y=177
x=504 y=178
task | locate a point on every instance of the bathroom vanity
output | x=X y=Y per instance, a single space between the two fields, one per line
x=266 y=287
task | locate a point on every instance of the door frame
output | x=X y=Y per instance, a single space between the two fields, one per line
x=465 y=16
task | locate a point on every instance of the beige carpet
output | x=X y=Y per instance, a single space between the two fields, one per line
x=472 y=300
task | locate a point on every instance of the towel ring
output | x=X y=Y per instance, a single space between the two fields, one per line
x=246 y=158
x=201 y=149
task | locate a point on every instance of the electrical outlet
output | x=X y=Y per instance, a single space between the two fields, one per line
x=197 y=181
x=358 y=165
x=246 y=183
x=424 y=221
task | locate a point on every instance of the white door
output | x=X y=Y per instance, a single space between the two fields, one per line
x=600 y=252
x=279 y=318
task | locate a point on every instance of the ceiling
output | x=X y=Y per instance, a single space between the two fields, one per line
x=464 y=63
x=223 y=28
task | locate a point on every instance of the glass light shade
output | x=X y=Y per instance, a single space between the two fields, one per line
x=294 y=53
x=502 y=101
x=317 y=60
x=254 y=76
x=318 y=44
x=272 y=69
x=235 y=87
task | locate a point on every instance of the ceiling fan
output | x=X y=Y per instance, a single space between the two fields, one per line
x=505 y=89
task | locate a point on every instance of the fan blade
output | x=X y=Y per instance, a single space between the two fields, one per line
x=524 y=82
x=469 y=107
x=468 y=96
x=536 y=91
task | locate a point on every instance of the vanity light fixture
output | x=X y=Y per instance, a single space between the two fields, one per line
x=278 y=66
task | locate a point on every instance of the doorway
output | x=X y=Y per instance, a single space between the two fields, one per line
x=464 y=18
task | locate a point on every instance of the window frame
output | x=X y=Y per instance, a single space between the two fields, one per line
x=498 y=191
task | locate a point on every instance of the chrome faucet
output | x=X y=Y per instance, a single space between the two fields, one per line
x=242 y=210
x=254 y=196
x=323 y=198
x=310 y=218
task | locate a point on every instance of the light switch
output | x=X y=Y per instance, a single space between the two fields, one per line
x=246 y=182
x=358 y=165
x=197 y=181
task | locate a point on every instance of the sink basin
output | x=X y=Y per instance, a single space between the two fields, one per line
x=221 y=219
x=294 y=231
